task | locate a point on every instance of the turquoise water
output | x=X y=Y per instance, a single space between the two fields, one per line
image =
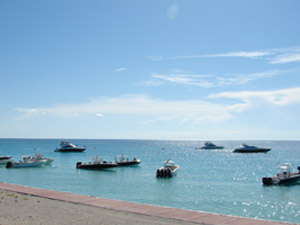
x=212 y=181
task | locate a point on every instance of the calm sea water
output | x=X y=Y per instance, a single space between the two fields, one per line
x=216 y=181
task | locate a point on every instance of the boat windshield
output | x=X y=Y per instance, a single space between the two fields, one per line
x=285 y=168
x=67 y=144
x=97 y=159
x=121 y=158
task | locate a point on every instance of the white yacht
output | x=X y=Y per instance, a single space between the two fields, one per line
x=66 y=146
x=210 y=146
x=169 y=169
x=27 y=161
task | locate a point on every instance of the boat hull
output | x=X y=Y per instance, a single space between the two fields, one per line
x=276 y=181
x=129 y=163
x=25 y=165
x=70 y=150
x=96 y=166
x=260 y=150
x=212 y=148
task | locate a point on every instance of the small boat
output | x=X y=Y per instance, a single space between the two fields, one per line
x=66 y=146
x=122 y=160
x=285 y=176
x=5 y=159
x=210 y=146
x=39 y=156
x=26 y=162
x=169 y=169
x=250 y=149
x=96 y=164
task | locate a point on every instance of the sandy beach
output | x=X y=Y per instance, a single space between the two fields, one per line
x=17 y=208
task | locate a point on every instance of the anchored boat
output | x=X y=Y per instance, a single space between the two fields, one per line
x=27 y=161
x=169 y=169
x=96 y=164
x=210 y=146
x=285 y=176
x=66 y=146
x=250 y=149
x=123 y=160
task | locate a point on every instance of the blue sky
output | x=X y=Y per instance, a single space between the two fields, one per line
x=160 y=69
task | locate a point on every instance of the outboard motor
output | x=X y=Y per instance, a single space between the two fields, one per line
x=169 y=173
x=298 y=168
x=157 y=173
x=9 y=165
x=165 y=173
x=267 y=181
x=78 y=164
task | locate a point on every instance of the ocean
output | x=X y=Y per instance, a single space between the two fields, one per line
x=216 y=181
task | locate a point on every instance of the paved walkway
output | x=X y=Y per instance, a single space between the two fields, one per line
x=138 y=208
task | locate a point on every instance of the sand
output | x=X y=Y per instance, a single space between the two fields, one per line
x=23 y=209
x=29 y=206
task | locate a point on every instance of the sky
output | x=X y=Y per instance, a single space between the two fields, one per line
x=159 y=69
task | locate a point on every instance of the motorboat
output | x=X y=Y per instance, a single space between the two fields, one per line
x=96 y=164
x=5 y=159
x=123 y=160
x=210 y=146
x=27 y=161
x=250 y=149
x=285 y=176
x=66 y=146
x=39 y=156
x=169 y=169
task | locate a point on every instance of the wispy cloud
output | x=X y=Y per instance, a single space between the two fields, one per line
x=280 y=97
x=120 y=69
x=173 y=11
x=239 y=79
x=185 y=79
x=272 y=56
x=243 y=54
x=155 y=58
x=286 y=58
x=206 y=80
